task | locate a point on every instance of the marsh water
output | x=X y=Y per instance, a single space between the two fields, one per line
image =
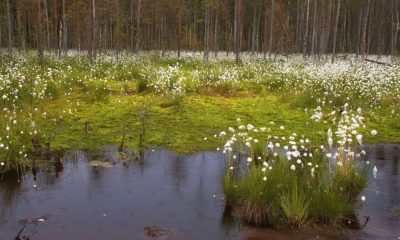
x=162 y=195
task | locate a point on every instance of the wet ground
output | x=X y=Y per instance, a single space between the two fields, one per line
x=162 y=195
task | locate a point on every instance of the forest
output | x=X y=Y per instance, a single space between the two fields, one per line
x=310 y=27
x=199 y=119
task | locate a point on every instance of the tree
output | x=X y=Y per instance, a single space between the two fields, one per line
x=395 y=27
x=10 y=41
x=206 y=31
x=138 y=26
x=305 y=39
x=238 y=12
x=39 y=33
x=1 y=47
x=271 y=28
x=335 y=31
x=364 y=28
x=291 y=26
x=216 y=30
x=64 y=28
x=92 y=49
x=46 y=15
x=314 y=36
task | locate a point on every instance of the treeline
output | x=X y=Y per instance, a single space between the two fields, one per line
x=310 y=27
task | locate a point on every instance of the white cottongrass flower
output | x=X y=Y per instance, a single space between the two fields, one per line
x=250 y=127
x=359 y=138
x=374 y=172
x=264 y=179
x=330 y=142
x=363 y=198
x=374 y=132
x=293 y=167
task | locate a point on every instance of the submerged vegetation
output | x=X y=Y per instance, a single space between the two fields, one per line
x=289 y=180
x=73 y=102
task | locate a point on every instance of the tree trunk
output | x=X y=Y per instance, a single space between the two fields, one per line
x=396 y=35
x=370 y=28
x=131 y=26
x=335 y=31
x=60 y=27
x=359 y=31
x=1 y=47
x=19 y=24
x=265 y=31
x=298 y=20
x=10 y=42
x=64 y=24
x=254 y=31
x=39 y=33
x=258 y=49
x=138 y=26
x=206 y=32
x=78 y=30
x=271 y=28
x=179 y=31
x=46 y=15
x=305 y=39
x=314 y=36
x=237 y=29
x=395 y=27
x=93 y=32
x=364 y=29
x=216 y=31
x=323 y=31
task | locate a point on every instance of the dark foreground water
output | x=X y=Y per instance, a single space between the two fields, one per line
x=166 y=196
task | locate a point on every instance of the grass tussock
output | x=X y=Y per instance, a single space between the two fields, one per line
x=293 y=183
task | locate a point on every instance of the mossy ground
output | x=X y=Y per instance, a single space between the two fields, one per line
x=182 y=126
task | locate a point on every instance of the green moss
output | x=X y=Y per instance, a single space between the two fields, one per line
x=180 y=129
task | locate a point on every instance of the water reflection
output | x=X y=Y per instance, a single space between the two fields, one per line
x=382 y=193
x=395 y=166
x=162 y=190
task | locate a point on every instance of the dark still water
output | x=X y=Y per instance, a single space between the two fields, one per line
x=165 y=196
